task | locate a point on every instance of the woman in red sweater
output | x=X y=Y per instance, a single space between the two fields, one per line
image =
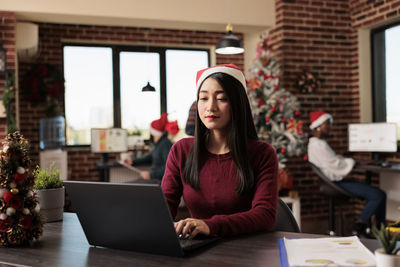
x=228 y=178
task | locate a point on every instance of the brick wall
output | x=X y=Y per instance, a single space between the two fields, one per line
x=315 y=35
x=81 y=163
x=7 y=38
x=321 y=36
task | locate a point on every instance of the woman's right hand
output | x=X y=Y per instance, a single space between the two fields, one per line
x=191 y=227
x=128 y=161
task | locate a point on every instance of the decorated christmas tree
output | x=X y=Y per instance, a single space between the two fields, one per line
x=276 y=111
x=19 y=209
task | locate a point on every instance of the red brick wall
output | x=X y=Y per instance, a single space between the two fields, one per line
x=7 y=38
x=321 y=36
x=315 y=35
x=81 y=163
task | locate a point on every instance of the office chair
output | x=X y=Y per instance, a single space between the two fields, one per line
x=285 y=220
x=336 y=195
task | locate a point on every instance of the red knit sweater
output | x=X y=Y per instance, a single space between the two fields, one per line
x=217 y=203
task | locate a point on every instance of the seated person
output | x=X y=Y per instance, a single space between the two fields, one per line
x=336 y=167
x=190 y=123
x=226 y=176
x=157 y=157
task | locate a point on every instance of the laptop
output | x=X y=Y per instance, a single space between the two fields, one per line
x=128 y=216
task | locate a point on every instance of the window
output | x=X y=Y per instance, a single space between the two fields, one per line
x=104 y=87
x=139 y=108
x=88 y=94
x=181 y=78
x=386 y=80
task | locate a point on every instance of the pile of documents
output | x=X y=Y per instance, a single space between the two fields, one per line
x=330 y=251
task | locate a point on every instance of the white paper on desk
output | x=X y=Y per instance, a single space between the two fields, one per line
x=331 y=251
x=129 y=166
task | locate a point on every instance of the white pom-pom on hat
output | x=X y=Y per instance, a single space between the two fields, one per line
x=3 y=216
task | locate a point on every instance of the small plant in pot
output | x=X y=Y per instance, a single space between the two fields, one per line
x=50 y=192
x=388 y=255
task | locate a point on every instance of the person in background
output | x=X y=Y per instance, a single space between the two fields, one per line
x=157 y=157
x=227 y=177
x=337 y=167
x=190 y=123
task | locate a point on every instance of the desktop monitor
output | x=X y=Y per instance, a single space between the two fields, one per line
x=372 y=137
x=107 y=140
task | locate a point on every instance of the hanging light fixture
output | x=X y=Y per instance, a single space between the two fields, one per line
x=229 y=44
x=3 y=59
x=148 y=87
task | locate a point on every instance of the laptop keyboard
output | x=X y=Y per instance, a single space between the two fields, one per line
x=190 y=244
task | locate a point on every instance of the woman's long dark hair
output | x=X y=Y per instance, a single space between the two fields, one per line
x=242 y=129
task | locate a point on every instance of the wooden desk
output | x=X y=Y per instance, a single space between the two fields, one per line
x=64 y=244
x=394 y=168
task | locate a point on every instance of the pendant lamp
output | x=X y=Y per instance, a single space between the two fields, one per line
x=148 y=87
x=229 y=44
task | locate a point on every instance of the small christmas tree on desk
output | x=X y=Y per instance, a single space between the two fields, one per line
x=276 y=111
x=20 y=222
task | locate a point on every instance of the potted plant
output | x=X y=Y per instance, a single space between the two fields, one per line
x=50 y=192
x=135 y=138
x=388 y=255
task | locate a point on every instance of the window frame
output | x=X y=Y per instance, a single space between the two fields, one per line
x=378 y=71
x=116 y=50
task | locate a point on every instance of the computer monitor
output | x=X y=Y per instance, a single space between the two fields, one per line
x=107 y=140
x=372 y=137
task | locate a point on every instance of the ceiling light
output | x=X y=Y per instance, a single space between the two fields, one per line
x=229 y=44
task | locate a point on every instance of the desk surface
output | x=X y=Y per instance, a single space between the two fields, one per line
x=64 y=244
x=394 y=167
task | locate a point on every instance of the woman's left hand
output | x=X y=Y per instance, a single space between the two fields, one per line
x=145 y=175
x=192 y=227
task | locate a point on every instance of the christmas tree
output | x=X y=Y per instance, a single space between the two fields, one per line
x=19 y=209
x=276 y=111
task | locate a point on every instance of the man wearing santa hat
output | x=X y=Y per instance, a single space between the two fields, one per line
x=157 y=157
x=336 y=167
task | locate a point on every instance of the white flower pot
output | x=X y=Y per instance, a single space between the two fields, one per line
x=386 y=260
x=51 y=203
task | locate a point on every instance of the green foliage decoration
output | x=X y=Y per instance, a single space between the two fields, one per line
x=8 y=98
x=386 y=239
x=47 y=178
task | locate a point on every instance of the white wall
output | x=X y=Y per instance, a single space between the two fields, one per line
x=245 y=15
x=250 y=17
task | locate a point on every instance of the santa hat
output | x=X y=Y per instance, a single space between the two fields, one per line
x=229 y=69
x=318 y=117
x=157 y=127
x=172 y=127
